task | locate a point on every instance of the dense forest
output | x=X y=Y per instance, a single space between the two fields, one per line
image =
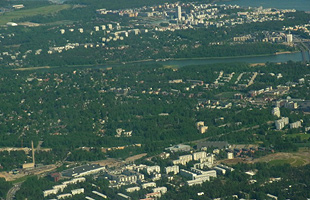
x=89 y=104
x=69 y=109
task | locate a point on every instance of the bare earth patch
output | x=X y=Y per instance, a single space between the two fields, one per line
x=302 y=157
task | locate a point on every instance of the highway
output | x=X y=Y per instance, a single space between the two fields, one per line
x=304 y=46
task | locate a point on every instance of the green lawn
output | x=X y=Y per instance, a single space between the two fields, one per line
x=45 y=10
x=22 y=179
x=303 y=136
x=281 y=162
x=63 y=22
x=294 y=162
x=226 y=95
x=171 y=66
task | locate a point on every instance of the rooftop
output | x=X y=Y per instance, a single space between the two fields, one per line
x=215 y=144
x=81 y=169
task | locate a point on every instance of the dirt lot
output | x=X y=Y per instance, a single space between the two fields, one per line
x=11 y=177
x=25 y=172
x=302 y=157
x=136 y=157
x=111 y=162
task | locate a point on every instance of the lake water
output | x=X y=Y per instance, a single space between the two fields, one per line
x=303 y=5
x=297 y=57
x=280 y=4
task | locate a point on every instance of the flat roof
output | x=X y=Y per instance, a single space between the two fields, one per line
x=80 y=169
x=215 y=144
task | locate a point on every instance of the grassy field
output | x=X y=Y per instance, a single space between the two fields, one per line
x=31 y=68
x=45 y=10
x=300 y=158
x=295 y=162
x=63 y=22
x=302 y=136
x=171 y=66
x=226 y=95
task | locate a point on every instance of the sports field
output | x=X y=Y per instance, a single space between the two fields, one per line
x=300 y=158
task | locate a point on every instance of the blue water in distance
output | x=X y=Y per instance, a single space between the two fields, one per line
x=297 y=57
x=303 y=5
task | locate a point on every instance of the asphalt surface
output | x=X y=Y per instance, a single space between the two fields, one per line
x=11 y=193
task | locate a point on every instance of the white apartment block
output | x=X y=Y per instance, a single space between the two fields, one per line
x=75 y=181
x=276 y=111
x=63 y=196
x=188 y=174
x=198 y=178
x=162 y=190
x=281 y=123
x=203 y=129
x=186 y=157
x=133 y=189
x=202 y=165
x=198 y=124
x=175 y=169
x=199 y=155
x=230 y=155
x=209 y=158
x=220 y=170
x=151 y=169
x=60 y=187
x=295 y=125
x=183 y=160
x=49 y=192
x=77 y=191
x=150 y=184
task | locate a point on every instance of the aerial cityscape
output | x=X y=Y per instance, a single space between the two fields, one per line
x=157 y=99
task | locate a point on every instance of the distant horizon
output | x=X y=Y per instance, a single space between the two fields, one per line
x=302 y=5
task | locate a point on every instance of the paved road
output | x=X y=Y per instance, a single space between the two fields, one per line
x=39 y=146
x=11 y=193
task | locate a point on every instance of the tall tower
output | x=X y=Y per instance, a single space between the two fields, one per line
x=30 y=165
x=179 y=13
x=33 y=160
x=289 y=38
x=276 y=111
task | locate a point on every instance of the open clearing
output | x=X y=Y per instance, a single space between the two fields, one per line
x=301 y=135
x=32 y=68
x=112 y=162
x=300 y=158
x=45 y=10
x=24 y=173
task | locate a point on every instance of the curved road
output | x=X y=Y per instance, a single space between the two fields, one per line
x=11 y=193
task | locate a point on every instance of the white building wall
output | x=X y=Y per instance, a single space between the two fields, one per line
x=77 y=191
x=150 y=169
x=162 y=190
x=150 y=184
x=188 y=174
x=276 y=111
x=132 y=189
x=199 y=155
x=175 y=169
x=49 y=192
x=62 y=196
